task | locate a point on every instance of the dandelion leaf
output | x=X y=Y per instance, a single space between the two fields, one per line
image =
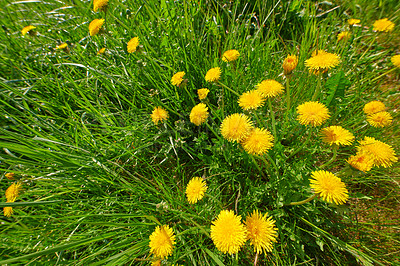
x=336 y=86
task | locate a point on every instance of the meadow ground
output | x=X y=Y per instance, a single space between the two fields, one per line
x=199 y=132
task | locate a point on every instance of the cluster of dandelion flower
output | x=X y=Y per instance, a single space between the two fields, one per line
x=95 y=26
x=162 y=241
x=336 y=135
x=28 y=30
x=63 y=46
x=213 y=74
x=101 y=51
x=12 y=193
x=312 y=113
x=251 y=100
x=261 y=232
x=289 y=64
x=343 y=36
x=269 y=88
x=396 y=60
x=177 y=78
x=236 y=127
x=133 y=45
x=321 y=61
x=383 y=25
x=199 y=114
x=202 y=93
x=159 y=114
x=230 y=55
x=100 y=5
x=353 y=21
x=258 y=141
x=329 y=187
x=195 y=189
x=376 y=114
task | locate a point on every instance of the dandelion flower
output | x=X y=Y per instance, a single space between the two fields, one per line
x=361 y=161
x=322 y=61
x=251 y=100
x=344 y=35
x=269 y=88
x=384 y=25
x=9 y=176
x=258 y=141
x=177 y=78
x=382 y=153
x=261 y=231
x=336 y=135
x=228 y=233
x=159 y=114
x=156 y=263
x=28 y=29
x=95 y=26
x=353 y=21
x=162 y=241
x=101 y=51
x=100 y=5
x=199 y=114
x=62 y=46
x=236 y=127
x=213 y=74
x=329 y=187
x=374 y=107
x=13 y=191
x=202 y=93
x=289 y=64
x=195 y=189
x=8 y=211
x=312 y=113
x=380 y=119
x=396 y=60
x=230 y=55
x=133 y=44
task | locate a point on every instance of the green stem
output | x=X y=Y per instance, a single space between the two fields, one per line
x=270 y=160
x=301 y=146
x=384 y=74
x=335 y=149
x=272 y=118
x=303 y=201
x=257 y=166
x=229 y=89
x=317 y=89
x=287 y=98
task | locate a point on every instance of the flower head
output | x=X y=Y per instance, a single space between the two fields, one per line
x=269 y=88
x=384 y=25
x=322 y=61
x=13 y=191
x=336 y=135
x=353 y=21
x=236 y=127
x=213 y=74
x=156 y=263
x=8 y=211
x=258 y=141
x=162 y=241
x=100 y=5
x=361 y=161
x=195 y=189
x=133 y=44
x=199 y=114
x=202 y=93
x=228 y=233
x=28 y=29
x=381 y=153
x=396 y=60
x=344 y=35
x=380 y=119
x=159 y=114
x=312 y=113
x=177 y=78
x=230 y=55
x=374 y=107
x=251 y=100
x=289 y=64
x=10 y=176
x=62 y=46
x=261 y=231
x=329 y=187
x=101 y=51
x=95 y=26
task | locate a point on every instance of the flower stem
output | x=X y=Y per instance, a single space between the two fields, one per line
x=271 y=161
x=256 y=259
x=287 y=98
x=335 y=149
x=303 y=201
x=272 y=118
x=384 y=74
x=317 y=89
x=257 y=166
x=229 y=89
x=301 y=146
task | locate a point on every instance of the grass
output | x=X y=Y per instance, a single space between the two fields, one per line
x=98 y=176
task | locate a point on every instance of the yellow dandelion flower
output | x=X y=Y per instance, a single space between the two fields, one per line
x=62 y=46
x=258 y=141
x=100 y=5
x=199 y=114
x=8 y=211
x=236 y=127
x=289 y=64
x=251 y=100
x=384 y=25
x=101 y=51
x=159 y=114
x=162 y=241
x=269 y=88
x=133 y=44
x=380 y=119
x=344 y=35
x=95 y=26
x=213 y=74
x=353 y=21
x=322 y=61
x=312 y=113
x=374 y=107
x=28 y=29
x=156 y=263
x=202 y=93
x=195 y=189
x=382 y=153
x=261 y=231
x=361 y=161
x=228 y=233
x=336 y=135
x=230 y=55
x=329 y=187
x=13 y=191
x=10 y=176
x=396 y=60
x=177 y=78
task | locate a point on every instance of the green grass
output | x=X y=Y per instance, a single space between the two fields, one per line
x=99 y=176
